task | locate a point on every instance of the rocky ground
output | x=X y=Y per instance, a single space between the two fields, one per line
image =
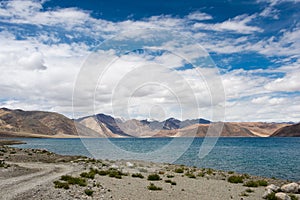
x=39 y=174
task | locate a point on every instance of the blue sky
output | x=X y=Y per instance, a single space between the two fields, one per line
x=255 y=46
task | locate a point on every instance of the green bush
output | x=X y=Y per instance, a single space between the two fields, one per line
x=190 y=175
x=171 y=182
x=90 y=175
x=58 y=184
x=256 y=183
x=249 y=190
x=231 y=172
x=179 y=170
x=262 y=182
x=103 y=173
x=74 y=180
x=170 y=176
x=201 y=174
x=235 y=179
x=153 y=177
x=271 y=196
x=88 y=192
x=293 y=197
x=153 y=187
x=209 y=171
x=115 y=173
x=251 y=184
x=137 y=175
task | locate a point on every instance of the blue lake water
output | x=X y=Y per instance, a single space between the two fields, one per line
x=270 y=157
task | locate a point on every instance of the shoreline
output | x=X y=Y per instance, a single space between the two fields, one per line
x=176 y=181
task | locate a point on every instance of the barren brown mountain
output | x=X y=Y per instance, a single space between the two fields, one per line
x=288 y=131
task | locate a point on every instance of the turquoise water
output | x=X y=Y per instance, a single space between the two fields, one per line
x=270 y=157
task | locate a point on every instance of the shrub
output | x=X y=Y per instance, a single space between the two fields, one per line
x=171 y=182
x=209 y=171
x=293 y=197
x=179 y=170
x=251 y=184
x=90 y=175
x=153 y=177
x=249 y=190
x=137 y=175
x=58 y=184
x=230 y=172
x=74 y=180
x=244 y=194
x=201 y=174
x=271 y=196
x=153 y=187
x=115 y=173
x=103 y=173
x=256 y=183
x=246 y=176
x=262 y=182
x=88 y=192
x=190 y=175
x=235 y=179
x=170 y=176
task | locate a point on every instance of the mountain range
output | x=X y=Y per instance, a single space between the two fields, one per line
x=19 y=123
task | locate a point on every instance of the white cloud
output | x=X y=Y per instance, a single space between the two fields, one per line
x=199 y=16
x=238 y=24
x=38 y=72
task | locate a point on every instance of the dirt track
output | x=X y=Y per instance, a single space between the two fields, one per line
x=11 y=187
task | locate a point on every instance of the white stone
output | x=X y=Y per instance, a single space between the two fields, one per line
x=282 y=196
x=273 y=187
x=129 y=164
x=114 y=166
x=290 y=188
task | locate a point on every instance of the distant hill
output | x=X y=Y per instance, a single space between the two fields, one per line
x=19 y=123
x=288 y=131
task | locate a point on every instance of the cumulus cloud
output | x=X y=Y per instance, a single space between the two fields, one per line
x=39 y=70
x=238 y=24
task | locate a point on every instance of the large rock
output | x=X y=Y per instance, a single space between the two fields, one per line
x=282 y=196
x=273 y=187
x=290 y=188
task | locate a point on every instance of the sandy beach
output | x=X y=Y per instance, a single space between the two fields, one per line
x=39 y=174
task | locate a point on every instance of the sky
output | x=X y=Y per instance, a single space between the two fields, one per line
x=220 y=60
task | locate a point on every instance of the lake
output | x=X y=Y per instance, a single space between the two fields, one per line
x=270 y=157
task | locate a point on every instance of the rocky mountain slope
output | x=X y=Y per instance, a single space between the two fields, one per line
x=19 y=123
x=288 y=131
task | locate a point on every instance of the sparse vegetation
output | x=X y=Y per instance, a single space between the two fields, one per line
x=236 y=179
x=154 y=177
x=153 y=187
x=293 y=197
x=170 y=176
x=244 y=194
x=271 y=196
x=179 y=170
x=256 y=183
x=249 y=190
x=171 y=182
x=190 y=175
x=91 y=174
x=137 y=175
x=209 y=171
x=74 y=180
x=59 y=184
x=88 y=192
x=201 y=174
